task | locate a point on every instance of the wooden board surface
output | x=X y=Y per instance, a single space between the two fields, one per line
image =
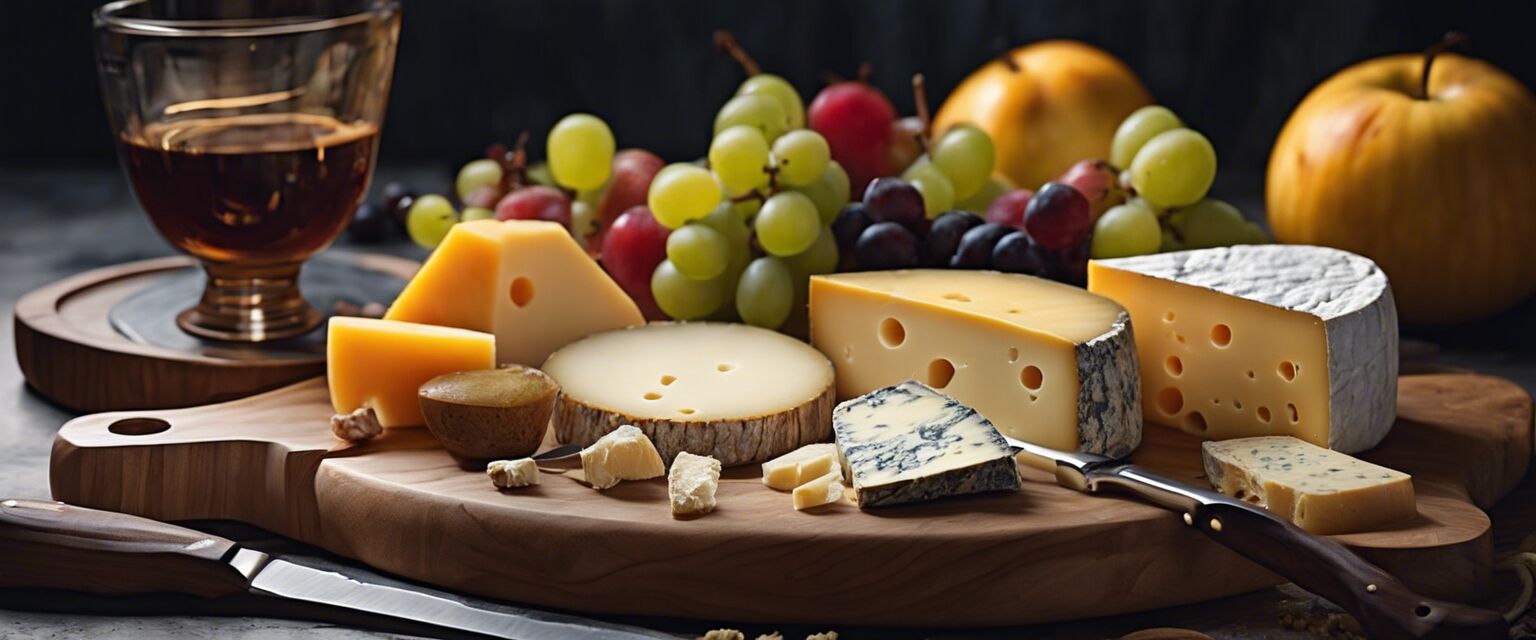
x=1044 y=553
x=70 y=353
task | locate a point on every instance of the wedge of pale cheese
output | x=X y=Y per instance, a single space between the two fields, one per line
x=1043 y=361
x=909 y=443
x=801 y=466
x=1262 y=340
x=526 y=281
x=623 y=454
x=818 y=491
x=382 y=363
x=1322 y=491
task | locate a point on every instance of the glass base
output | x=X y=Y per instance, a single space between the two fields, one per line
x=242 y=303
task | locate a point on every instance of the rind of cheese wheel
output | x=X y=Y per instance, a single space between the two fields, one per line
x=1323 y=492
x=734 y=392
x=382 y=363
x=1044 y=362
x=1258 y=340
x=526 y=281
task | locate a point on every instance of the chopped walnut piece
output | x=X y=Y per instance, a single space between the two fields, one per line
x=358 y=426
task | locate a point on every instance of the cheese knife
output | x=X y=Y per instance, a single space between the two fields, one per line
x=51 y=545
x=1385 y=607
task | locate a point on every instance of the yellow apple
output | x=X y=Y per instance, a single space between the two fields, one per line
x=1046 y=105
x=1433 y=177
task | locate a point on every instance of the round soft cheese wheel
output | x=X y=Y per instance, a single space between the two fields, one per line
x=732 y=391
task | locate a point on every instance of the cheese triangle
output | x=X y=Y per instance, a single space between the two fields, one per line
x=525 y=281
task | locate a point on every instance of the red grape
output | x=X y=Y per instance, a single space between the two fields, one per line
x=903 y=149
x=634 y=245
x=944 y=236
x=1008 y=209
x=886 y=245
x=975 y=251
x=896 y=200
x=633 y=170
x=1057 y=217
x=1016 y=253
x=484 y=197
x=851 y=222
x=537 y=202
x=1098 y=182
x=855 y=118
x=397 y=202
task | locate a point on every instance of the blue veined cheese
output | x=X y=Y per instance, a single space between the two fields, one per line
x=1324 y=492
x=909 y=443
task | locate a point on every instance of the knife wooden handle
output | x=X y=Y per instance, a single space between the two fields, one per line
x=53 y=545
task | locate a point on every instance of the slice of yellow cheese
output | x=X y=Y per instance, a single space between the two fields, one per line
x=1324 y=492
x=526 y=281
x=1043 y=361
x=382 y=363
x=1257 y=340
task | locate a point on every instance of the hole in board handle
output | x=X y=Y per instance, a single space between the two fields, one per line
x=138 y=426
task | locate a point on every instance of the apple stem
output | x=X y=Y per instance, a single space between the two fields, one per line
x=920 y=101
x=1450 y=41
x=729 y=46
x=1008 y=61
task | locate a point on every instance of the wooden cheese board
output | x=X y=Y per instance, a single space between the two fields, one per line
x=106 y=339
x=403 y=505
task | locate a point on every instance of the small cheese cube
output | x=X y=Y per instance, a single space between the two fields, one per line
x=800 y=466
x=826 y=489
x=624 y=454
x=382 y=363
x=1324 y=492
x=691 y=484
x=506 y=474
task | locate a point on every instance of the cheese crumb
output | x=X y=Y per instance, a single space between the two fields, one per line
x=691 y=484
x=506 y=474
x=359 y=426
x=624 y=454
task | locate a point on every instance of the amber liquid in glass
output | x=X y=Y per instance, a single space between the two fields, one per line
x=264 y=188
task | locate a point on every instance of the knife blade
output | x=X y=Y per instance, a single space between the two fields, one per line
x=1385 y=607
x=51 y=545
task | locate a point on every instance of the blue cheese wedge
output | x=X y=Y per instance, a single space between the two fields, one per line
x=1324 y=492
x=909 y=443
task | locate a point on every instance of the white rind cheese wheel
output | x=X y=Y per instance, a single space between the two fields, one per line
x=1257 y=340
x=735 y=392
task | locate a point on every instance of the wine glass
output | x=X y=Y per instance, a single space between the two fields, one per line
x=248 y=130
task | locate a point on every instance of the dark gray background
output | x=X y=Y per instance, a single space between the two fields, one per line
x=471 y=72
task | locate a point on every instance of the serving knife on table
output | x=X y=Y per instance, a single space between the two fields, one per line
x=51 y=545
x=1385 y=607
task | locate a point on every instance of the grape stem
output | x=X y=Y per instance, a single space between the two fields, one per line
x=1449 y=41
x=514 y=162
x=728 y=45
x=920 y=102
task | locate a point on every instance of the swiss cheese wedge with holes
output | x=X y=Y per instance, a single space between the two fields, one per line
x=1042 y=361
x=526 y=281
x=1257 y=340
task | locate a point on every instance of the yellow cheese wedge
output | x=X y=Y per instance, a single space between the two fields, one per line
x=382 y=363
x=1324 y=492
x=826 y=489
x=526 y=281
x=1042 y=361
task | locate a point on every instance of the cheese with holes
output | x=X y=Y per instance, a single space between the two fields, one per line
x=526 y=281
x=508 y=474
x=1322 y=491
x=824 y=489
x=381 y=364
x=1043 y=361
x=738 y=393
x=1259 y=340
x=909 y=443
x=624 y=454
x=691 y=484
x=801 y=466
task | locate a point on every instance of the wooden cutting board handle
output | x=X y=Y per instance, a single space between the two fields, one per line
x=52 y=545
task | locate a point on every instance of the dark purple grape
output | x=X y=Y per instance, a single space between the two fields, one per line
x=851 y=221
x=886 y=245
x=944 y=236
x=1016 y=253
x=369 y=225
x=1069 y=266
x=975 y=250
x=1057 y=217
x=895 y=200
x=396 y=202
